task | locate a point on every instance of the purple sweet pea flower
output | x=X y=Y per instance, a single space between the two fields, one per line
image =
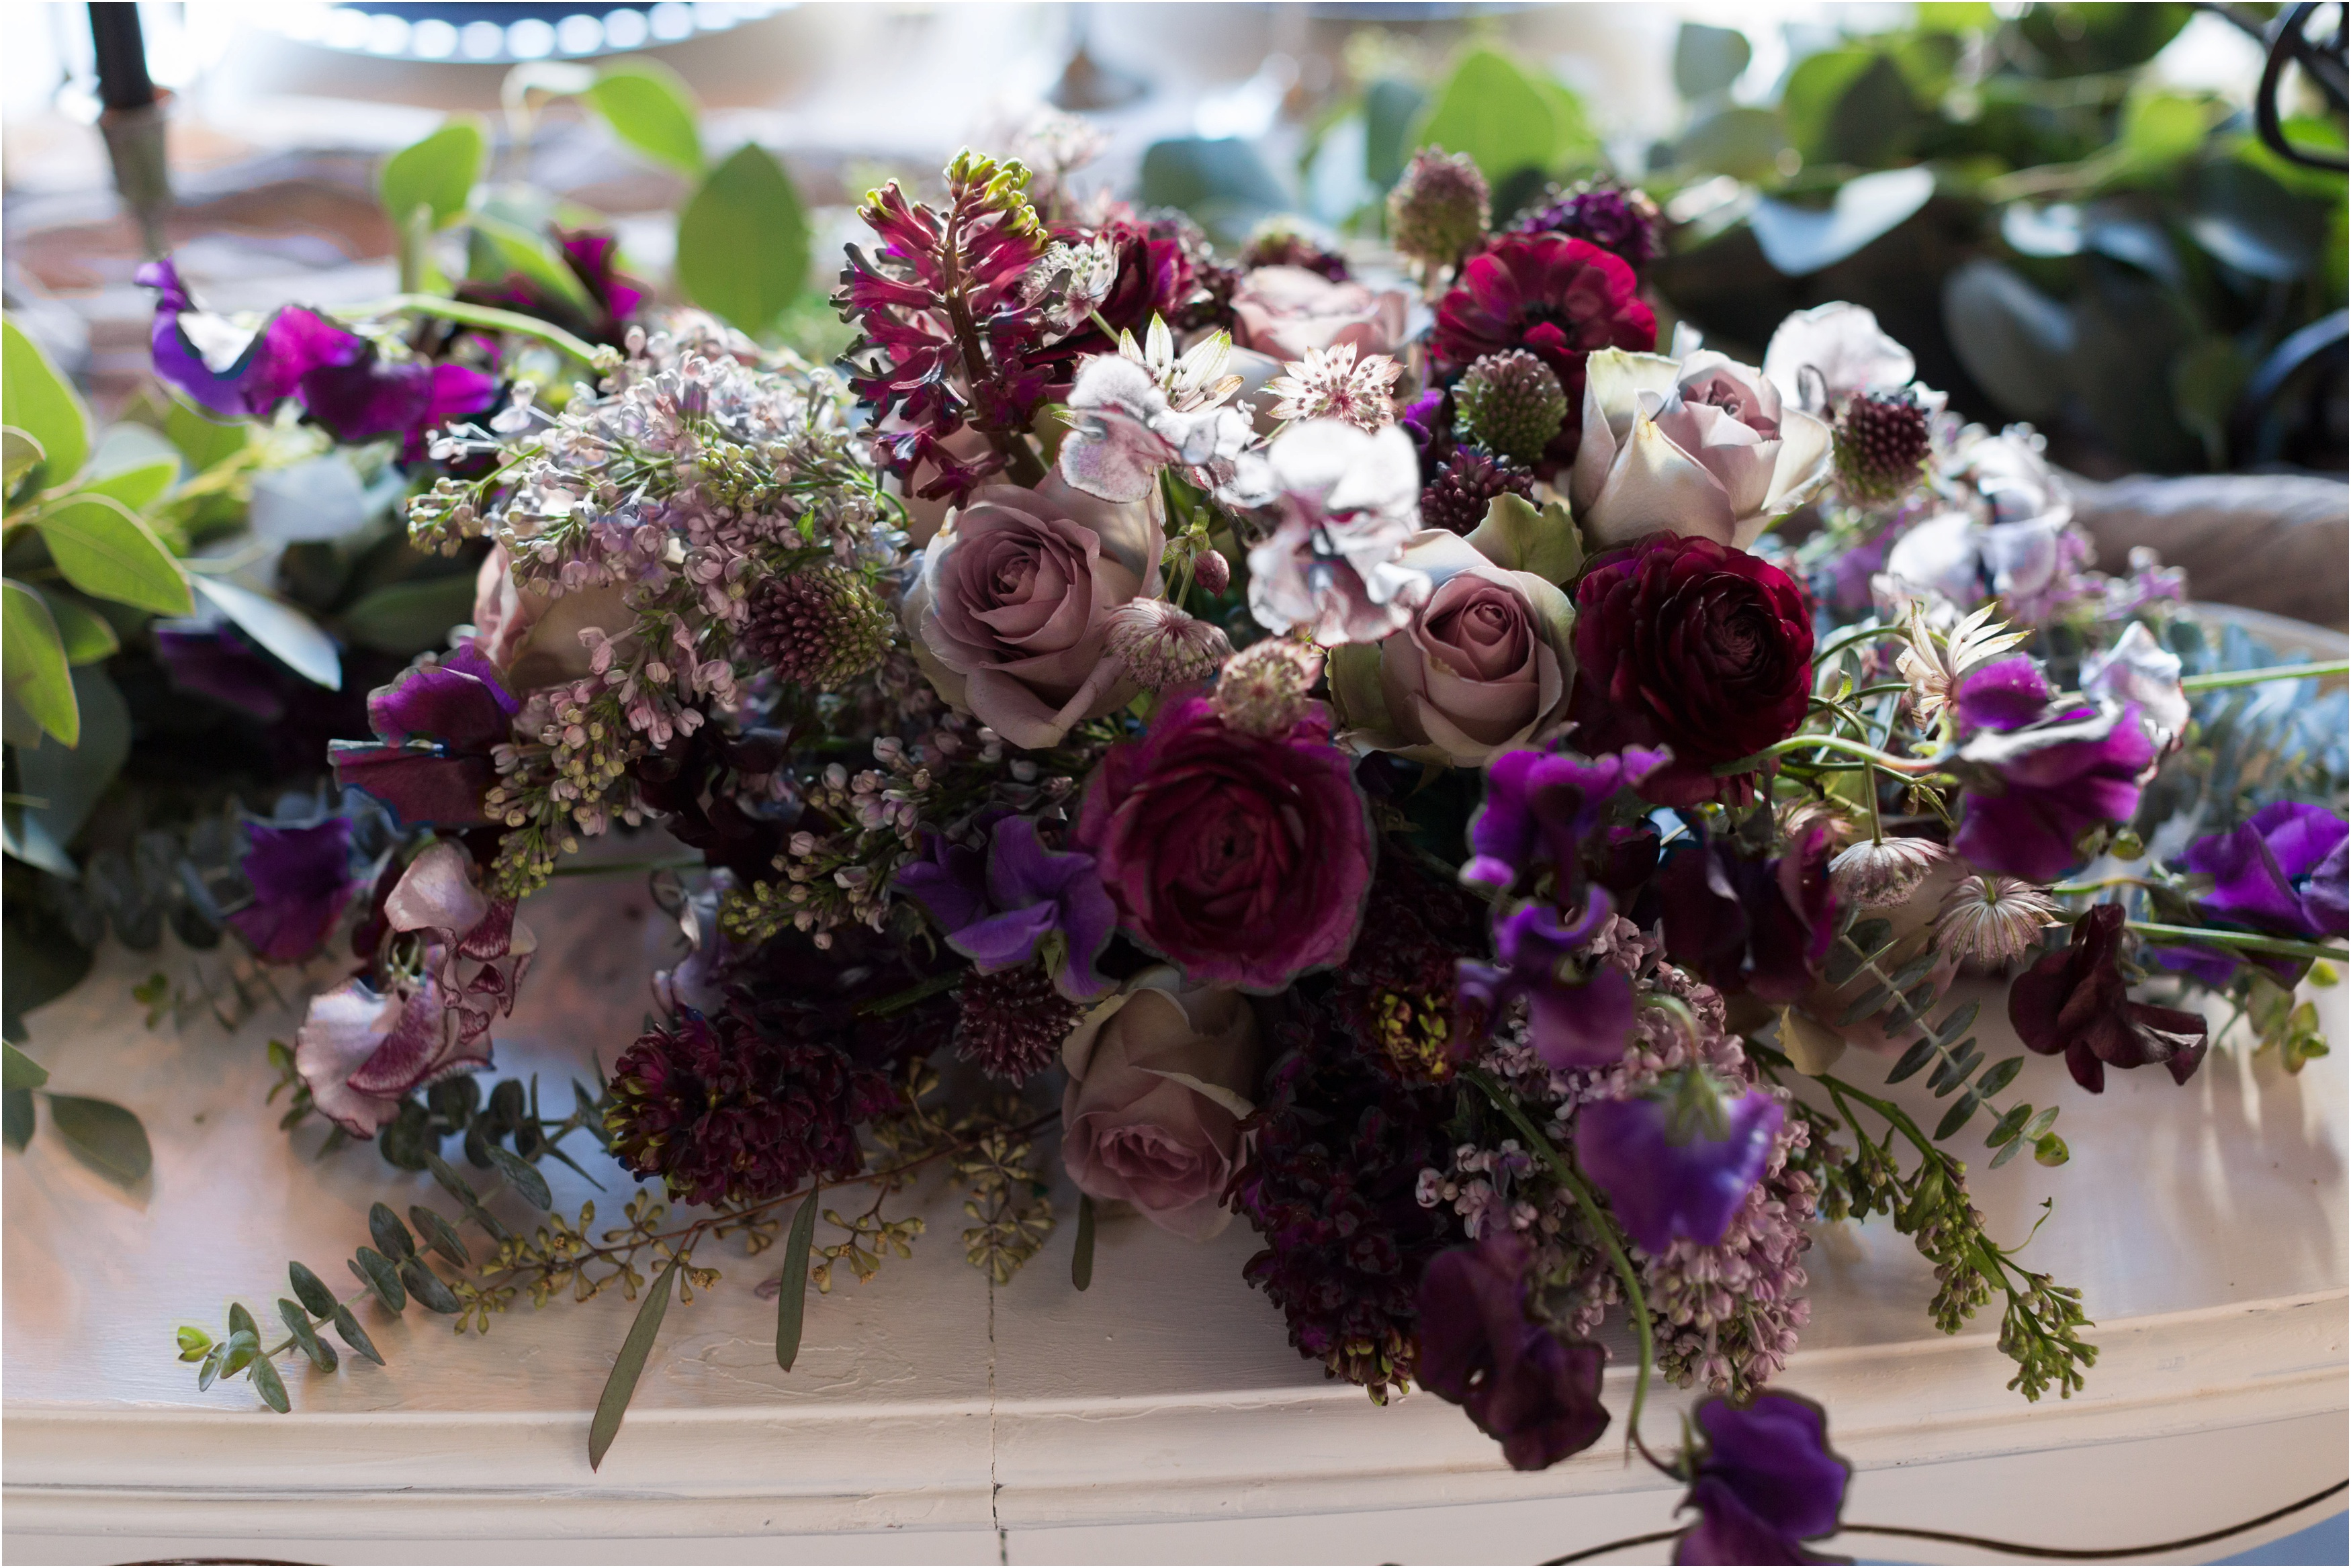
x=2282 y=872
x=2040 y=779
x=1037 y=893
x=1542 y=808
x=950 y=882
x=1664 y=1186
x=436 y=725
x=301 y=880
x=1765 y=1483
x=218 y=663
x=2075 y=1002
x=1524 y=1386
x=1760 y=926
x=368 y=398
x=1584 y=1023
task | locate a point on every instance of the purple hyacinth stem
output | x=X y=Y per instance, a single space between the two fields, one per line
x=1589 y=1207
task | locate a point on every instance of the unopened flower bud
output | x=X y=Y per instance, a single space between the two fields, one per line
x=1512 y=404
x=1881 y=444
x=1437 y=210
x=1212 y=571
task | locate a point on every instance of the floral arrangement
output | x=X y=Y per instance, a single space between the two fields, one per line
x=1391 y=758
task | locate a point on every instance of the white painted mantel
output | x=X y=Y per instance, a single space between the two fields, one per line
x=1160 y=1416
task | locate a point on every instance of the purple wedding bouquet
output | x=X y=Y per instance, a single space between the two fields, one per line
x=1400 y=759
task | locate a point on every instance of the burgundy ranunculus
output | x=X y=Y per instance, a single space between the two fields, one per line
x=1556 y=297
x=1524 y=1386
x=2076 y=1001
x=1242 y=858
x=1692 y=645
x=1765 y=1482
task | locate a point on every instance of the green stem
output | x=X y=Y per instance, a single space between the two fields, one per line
x=488 y=316
x=2221 y=680
x=621 y=868
x=2251 y=942
x=1855 y=638
x=1636 y=1302
x=1908 y=767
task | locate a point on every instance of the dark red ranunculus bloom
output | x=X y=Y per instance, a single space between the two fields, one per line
x=2076 y=1002
x=1556 y=297
x=1685 y=643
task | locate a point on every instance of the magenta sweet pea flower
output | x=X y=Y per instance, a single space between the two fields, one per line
x=301 y=880
x=1760 y=925
x=1764 y=1483
x=1546 y=809
x=2075 y=1002
x=2281 y=871
x=1535 y=1394
x=1670 y=1183
x=1028 y=894
x=434 y=726
x=2040 y=780
x=1570 y=1024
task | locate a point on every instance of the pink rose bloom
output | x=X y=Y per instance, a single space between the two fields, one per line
x=1283 y=311
x=1485 y=665
x=1243 y=859
x=533 y=637
x=1009 y=613
x=1159 y=1080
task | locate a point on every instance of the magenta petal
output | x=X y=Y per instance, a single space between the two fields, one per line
x=417 y=787
x=368 y=398
x=443 y=702
x=2004 y=694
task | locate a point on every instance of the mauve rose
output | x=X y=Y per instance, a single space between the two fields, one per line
x=534 y=636
x=1010 y=612
x=1486 y=664
x=1244 y=858
x=1701 y=446
x=1160 y=1079
x=1284 y=311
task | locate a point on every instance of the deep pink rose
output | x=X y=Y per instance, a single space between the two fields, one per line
x=1160 y=1079
x=1244 y=860
x=1283 y=311
x=1010 y=614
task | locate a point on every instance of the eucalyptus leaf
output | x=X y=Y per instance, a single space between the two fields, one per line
x=437 y=173
x=280 y=628
x=269 y=1384
x=430 y=1292
x=2000 y=1074
x=628 y=1365
x=1957 y=1021
x=2017 y=342
x=1957 y=1116
x=391 y=1237
x=37 y=675
x=311 y=1290
x=792 y=1295
x=44 y=405
x=18 y=1071
x=1801 y=241
x=1389 y=106
x=211 y=1369
x=17 y=1122
x=1223 y=181
x=105 y=1136
x=69 y=783
x=1707 y=60
x=241 y=1346
x=298 y=1323
x=202 y=441
x=108 y=552
x=354 y=1335
x=373 y=1270
x=650 y=107
x=523 y=1175
x=743 y=241
x=439 y=1235
x=1920 y=1053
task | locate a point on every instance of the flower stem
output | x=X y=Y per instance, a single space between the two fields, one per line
x=1568 y=1177
x=2222 y=680
x=488 y=316
x=1908 y=767
x=2251 y=942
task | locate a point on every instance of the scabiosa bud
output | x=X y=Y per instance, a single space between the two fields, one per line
x=822 y=627
x=1013 y=1021
x=1212 y=571
x=1877 y=875
x=1162 y=647
x=1881 y=444
x=1465 y=484
x=1512 y=404
x=1993 y=920
x=1263 y=688
x=1438 y=210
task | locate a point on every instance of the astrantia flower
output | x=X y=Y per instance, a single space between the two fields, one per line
x=301 y=880
x=1437 y=210
x=1350 y=503
x=1328 y=384
x=2281 y=871
x=2075 y=1002
x=435 y=726
x=1933 y=662
x=1992 y=921
x=723 y=1111
x=1764 y=1483
x=1524 y=1386
x=1883 y=872
x=1264 y=688
x=1668 y=1175
x=1557 y=298
x=1163 y=646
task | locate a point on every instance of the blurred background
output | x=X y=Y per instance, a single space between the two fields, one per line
x=2069 y=211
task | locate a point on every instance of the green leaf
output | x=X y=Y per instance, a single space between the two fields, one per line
x=202 y=441
x=1999 y=1077
x=298 y=1323
x=628 y=1365
x=500 y=247
x=406 y=618
x=18 y=1071
x=1920 y=1053
x=1742 y=142
x=427 y=1287
x=455 y=1186
x=2016 y=342
x=1082 y=1261
x=280 y=628
x=1800 y=241
x=439 y=1235
x=138 y=486
x=1960 y=1019
x=1707 y=60
x=1491 y=110
x=211 y=1369
x=70 y=783
x=1518 y=539
x=743 y=241
x=650 y=107
x=37 y=676
x=392 y=1237
x=374 y=1271
x=242 y=1347
x=311 y=1290
x=19 y=455
x=791 y=1294
x=354 y=1335
x=269 y=1385
x=2010 y=1123
x=522 y=1176
x=16 y=1119
x=1389 y=108
x=88 y=636
x=240 y=1320
x=1957 y=1116
x=2010 y=1150
x=436 y=173
x=2040 y=1123
x=44 y=405
x=106 y=551
x=193 y=1342
x=105 y=1136
x=1867 y=1003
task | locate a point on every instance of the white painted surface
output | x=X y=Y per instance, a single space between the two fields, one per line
x=1160 y=1416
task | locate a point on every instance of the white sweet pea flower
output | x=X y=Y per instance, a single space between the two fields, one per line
x=1350 y=503
x=2137 y=668
x=1703 y=446
x=1821 y=357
